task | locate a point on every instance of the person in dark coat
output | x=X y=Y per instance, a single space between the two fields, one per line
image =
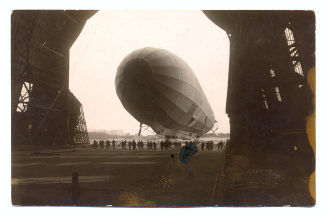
x=95 y=144
x=101 y=144
x=113 y=144
x=129 y=145
x=107 y=144
x=202 y=146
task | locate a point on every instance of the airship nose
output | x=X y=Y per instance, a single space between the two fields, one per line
x=137 y=73
x=138 y=90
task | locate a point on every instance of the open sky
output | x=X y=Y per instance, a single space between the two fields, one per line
x=109 y=36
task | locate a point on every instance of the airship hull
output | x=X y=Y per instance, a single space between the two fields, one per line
x=160 y=90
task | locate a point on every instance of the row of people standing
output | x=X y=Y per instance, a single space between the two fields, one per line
x=133 y=145
x=209 y=145
x=152 y=145
x=104 y=144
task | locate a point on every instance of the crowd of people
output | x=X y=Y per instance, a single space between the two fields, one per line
x=209 y=145
x=153 y=145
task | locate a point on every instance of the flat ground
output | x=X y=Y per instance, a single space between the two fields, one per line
x=116 y=178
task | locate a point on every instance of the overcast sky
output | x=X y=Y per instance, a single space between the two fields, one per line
x=109 y=36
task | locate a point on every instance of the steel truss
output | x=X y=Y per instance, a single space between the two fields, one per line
x=77 y=127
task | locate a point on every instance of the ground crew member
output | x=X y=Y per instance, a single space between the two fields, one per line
x=95 y=144
x=107 y=144
x=129 y=145
x=202 y=146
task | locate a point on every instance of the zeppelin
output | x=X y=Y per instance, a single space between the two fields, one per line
x=160 y=90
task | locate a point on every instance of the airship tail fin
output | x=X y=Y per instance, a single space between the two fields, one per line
x=144 y=127
x=214 y=127
x=140 y=130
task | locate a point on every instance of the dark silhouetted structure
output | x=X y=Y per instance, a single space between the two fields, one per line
x=269 y=159
x=44 y=111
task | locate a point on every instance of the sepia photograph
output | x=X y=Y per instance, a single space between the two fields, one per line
x=163 y=108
